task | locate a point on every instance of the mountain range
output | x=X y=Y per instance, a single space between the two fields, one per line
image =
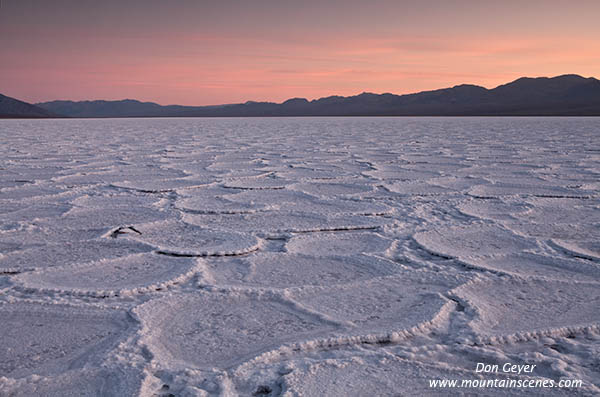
x=566 y=95
x=13 y=108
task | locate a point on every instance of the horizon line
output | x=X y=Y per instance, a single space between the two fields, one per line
x=310 y=100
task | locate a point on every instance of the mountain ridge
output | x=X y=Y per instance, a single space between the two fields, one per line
x=565 y=95
x=14 y=108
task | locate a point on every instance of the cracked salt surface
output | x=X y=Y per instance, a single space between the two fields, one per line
x=130 y=274
x=185 y=239
x=48 y=339
x=274 y=269
x=296 y=257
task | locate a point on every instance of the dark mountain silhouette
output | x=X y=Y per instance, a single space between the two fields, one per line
x=123 y=108
x=13 y=108
x=567 y=95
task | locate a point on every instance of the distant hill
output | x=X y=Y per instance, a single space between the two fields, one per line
x=123 y=108
x=567 y=95
x=13 y=108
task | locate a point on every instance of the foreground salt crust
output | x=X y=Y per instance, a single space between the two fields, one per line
x=49 y=339
x=297 y=257
x=85 y=382
x=220 y=329
x=382 y=375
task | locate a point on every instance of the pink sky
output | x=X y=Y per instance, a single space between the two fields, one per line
x=195 y=53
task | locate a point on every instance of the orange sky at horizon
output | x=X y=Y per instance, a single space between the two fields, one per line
x=185 y=52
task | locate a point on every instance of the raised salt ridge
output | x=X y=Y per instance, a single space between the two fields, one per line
x=221 y=330
x=160 y=186
x=120 y=276
x=270 y=269
x=209 y=204
x=84 y=382
x=77 y=252
x=351 y=243
x=501 y=307
x=184 y=239
x=329 y=189
x=278 y=222
x=363 y=376
x=476 y=240
x=383 y=305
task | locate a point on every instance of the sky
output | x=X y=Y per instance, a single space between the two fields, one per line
x=225 y=51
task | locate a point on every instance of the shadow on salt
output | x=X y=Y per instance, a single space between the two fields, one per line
x=184 y=239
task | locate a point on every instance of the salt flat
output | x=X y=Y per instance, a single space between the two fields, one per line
x=297 y=256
